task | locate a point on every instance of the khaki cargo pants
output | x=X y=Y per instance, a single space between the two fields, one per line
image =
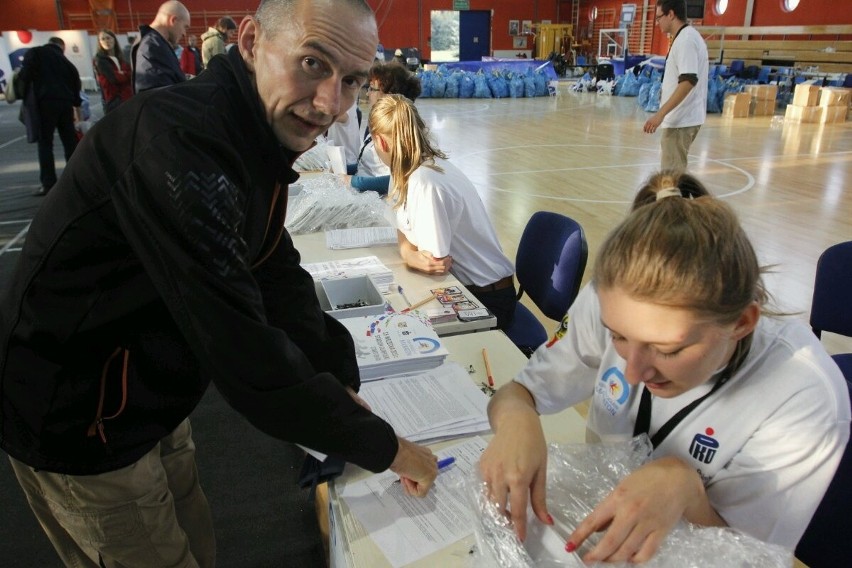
x=675 y=143
x=150 y=514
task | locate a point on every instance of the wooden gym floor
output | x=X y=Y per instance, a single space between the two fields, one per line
x=585 y=155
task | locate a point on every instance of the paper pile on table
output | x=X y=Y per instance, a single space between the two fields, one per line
x=436 y=405
x=394 y=344
x=370 y=266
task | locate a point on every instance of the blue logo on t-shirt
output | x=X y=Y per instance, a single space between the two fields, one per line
x=703 y=447
x=613 y=390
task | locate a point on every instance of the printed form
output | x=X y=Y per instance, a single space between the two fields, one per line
x=409 y=528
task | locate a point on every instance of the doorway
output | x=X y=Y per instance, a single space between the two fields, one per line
x=460 y=35
x=474 y=35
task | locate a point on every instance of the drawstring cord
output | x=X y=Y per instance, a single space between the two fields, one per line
x=97 y=427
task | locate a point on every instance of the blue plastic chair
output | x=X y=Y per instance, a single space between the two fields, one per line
x=826 y=542
x=549 y=266
x=737 y=67
x=831 y=308
x=763 y=75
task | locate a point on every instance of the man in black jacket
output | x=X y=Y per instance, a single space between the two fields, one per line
x=160 y=262
x=56 y=85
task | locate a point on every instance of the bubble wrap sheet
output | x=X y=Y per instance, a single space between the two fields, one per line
x=325 y=202
x=578 y=477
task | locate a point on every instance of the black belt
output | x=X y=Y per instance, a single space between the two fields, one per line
x=499 y=285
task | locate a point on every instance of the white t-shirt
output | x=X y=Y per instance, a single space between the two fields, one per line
x=766 y=444
x=347 y=134
x=370 y=164
x=688 y=55
x=445 y=216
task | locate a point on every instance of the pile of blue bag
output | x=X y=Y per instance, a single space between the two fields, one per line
x=646 y=84
x=447 y=83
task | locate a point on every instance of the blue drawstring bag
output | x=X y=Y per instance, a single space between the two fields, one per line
x=642 y=101
x=426 y=84
x=540 y=84
x=516 y=86
x=466 y=85
x=481 y=90
x=529 y=86
x=452 y=90
x=653 y=104
x=439 y=86
x=498 y=85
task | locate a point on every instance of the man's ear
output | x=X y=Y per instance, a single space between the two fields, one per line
x=747 y=321
x=246 y=40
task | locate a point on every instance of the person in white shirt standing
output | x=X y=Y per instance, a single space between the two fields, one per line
x=684 y=89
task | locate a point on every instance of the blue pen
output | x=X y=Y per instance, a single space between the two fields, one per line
x=442 y=465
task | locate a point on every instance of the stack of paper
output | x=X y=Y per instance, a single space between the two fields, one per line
x=360 y=237
x=394 y=344
x=436 y=405
x=370 y=266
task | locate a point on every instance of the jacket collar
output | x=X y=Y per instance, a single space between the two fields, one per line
x=283 y=156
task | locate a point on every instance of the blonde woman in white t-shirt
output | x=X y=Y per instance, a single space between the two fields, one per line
x=747 y=413
x=442 y=224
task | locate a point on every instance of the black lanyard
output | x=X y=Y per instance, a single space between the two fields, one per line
x=673 y=40
x=367 y=139
x=643 y=417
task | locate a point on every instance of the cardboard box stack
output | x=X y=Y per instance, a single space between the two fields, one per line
x=804 y=106
x=833 y=104
x=762 y=99
x=736 y=105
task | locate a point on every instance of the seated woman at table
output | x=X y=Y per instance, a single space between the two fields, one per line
x=747 y=413
x=385 y=79
x=442 y=224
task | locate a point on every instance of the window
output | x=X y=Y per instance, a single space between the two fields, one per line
x=789 y=5
x=721 y=7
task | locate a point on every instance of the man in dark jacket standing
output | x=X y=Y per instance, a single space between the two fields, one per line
x=160 y=262
x=56 y=85
x=153 y=56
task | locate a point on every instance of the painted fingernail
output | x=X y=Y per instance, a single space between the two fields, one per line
x=549 y=520
x=570 y=546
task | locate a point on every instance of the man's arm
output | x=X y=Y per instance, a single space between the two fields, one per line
x=684 y=87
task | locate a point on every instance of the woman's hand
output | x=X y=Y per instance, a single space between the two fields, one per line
x=642 y=510
x=416 y=466
x=422 y=260
x=514 y=465
x=431 y=265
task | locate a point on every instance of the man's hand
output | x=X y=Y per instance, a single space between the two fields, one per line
x=358 y=399
x=416 y=466
x=653 y=123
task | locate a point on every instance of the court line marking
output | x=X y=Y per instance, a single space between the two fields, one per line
x=750 y=181
x=15 y=239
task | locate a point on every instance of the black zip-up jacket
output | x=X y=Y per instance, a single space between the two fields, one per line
x=157 y=263
x=56 y=80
